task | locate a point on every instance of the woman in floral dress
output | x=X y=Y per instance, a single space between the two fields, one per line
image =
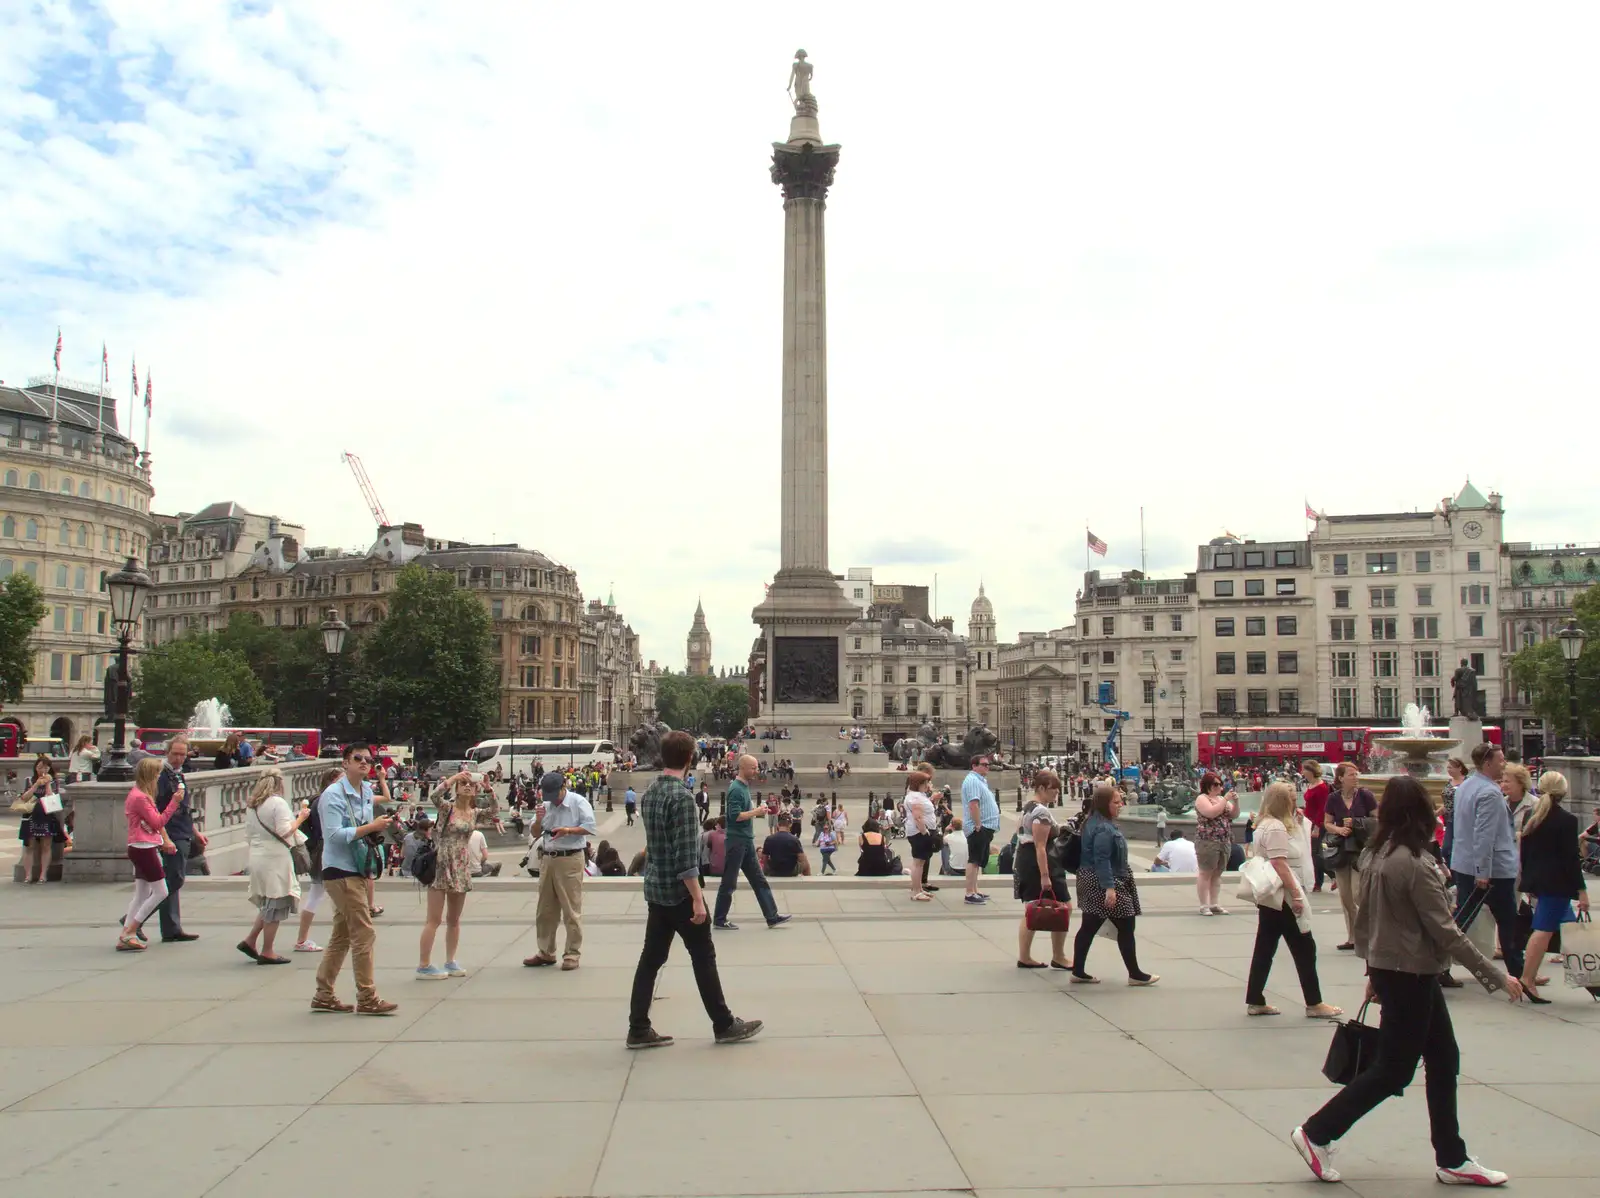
x=456 y=799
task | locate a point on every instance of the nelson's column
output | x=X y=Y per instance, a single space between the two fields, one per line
x=805 y=613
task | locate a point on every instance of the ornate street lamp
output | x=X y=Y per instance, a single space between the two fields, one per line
x=511 y=726
x=1183 y=714
x=334 y=630
x=1572 y=638
x=129 y=588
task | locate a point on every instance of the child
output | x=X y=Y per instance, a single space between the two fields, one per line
x=827 y=842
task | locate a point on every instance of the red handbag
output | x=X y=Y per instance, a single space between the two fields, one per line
x=1045 y=914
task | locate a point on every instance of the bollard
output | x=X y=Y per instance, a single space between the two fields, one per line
x=1019 y=798
x=608 y=797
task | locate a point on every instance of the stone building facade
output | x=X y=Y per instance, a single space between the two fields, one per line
x=74 y=507
x=618 y=671
x=1401 y=599
x=983 y=662
x=1538 y=584
x=1037 y=710
x=902 y=672
x=192 y=557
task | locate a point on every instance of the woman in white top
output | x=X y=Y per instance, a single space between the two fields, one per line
x=1283 y=838
x=1035 y=875
x=922 y=831
x=82 y=760
x=273 y=828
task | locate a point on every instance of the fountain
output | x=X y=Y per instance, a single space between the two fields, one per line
x=209 y=724
x=1419 y=755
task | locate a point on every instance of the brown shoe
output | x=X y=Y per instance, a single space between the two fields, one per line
x=541 y=959
x=330 y=1005
x=569 y=963
x=377 y=1007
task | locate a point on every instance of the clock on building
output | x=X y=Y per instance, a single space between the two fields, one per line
x=1472 y=529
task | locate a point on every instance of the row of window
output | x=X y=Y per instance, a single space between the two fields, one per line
x=69 y=534
x=1256 y=663
x=1147 y=623
x=1222 y=588
x=911 y=710
x=79 y=619
x=1384 y=704
x=1389 y=563
x=1227 y=702
x=533 y=676
x=1257 y=625
x=1108 y=657
x=76 y=667
x=533 y=646
x=188 y=573
x=1425 y=663
x=1387 y=628
x=84 y=490
x=561 y=712
x=1253 y=558
x=913 y=674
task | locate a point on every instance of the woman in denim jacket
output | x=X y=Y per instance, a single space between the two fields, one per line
x=1106 y=889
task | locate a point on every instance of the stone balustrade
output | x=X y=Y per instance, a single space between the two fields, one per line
x=217 y=798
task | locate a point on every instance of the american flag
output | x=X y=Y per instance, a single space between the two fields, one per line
x=1310 y=512
x=58 y=350
x=1096 y=545
x=147 y=393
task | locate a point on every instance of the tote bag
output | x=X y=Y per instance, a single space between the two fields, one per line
x=1580 y=954
x=1259 y=884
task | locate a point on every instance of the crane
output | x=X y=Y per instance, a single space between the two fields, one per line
x=1118 y=718
x=367 y=493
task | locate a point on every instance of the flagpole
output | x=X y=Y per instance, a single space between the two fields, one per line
x=134 y=399
x=1142 y=568
x=55 y=387
x=147 y=413
x=100 y=412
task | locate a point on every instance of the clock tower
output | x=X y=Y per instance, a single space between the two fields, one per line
x=699 y=643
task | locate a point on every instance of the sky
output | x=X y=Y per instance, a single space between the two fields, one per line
x=1214 y=261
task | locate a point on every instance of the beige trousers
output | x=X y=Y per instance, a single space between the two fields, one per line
x=560 y=901
x=352 y=934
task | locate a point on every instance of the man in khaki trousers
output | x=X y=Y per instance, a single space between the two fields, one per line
x=565 y=822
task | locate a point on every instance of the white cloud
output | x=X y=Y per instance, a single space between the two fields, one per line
x=525 y=260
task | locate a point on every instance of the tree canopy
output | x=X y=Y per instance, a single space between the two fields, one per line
x=700 y=703
x=172 y=677
x=22 y=606
x=292 y=667
x=428 y=673
x=1542 y=671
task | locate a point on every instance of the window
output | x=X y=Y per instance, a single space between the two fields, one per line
x=858 y=642
x=1225 y=663
x=856 y=675
x=1342 y=628
x=555 y=676
x=1288 y=663
x=59 y=619
x=1149 y=724
x=1474 y=625
x=57 y=663
x=1425 y=663
x=1222 y=561
x=497 y=609
x=935 y=710
x=1254 y=558
x=1424 y=628
x=1284 y=586
x=35 y=483
x=1255 y=663
x=888 y=705
x=1428 y=696
x=1386 y=700
x=1108 y=626
x=1382 y=563
x=933 y=675
x=1475 y=660
x=1088 y=687
x=1424 y=561
x=1175 y=654
x=958 y=678
x=83 y=536
x=1224 y=627
x=1474 y=561
x=1149 y=690
x=1288 y=625
x=1255 y=626
x=1344 y=663
x=911 y=675
x=1381 y=596
x=1344 y=703
x=31 y=530
x=1424 y=596
x=860 y=594
x=1476 y=593
x=77 y=619
x=80 y=579
x=1385 y=664
x=1341 y=563
x=1560 y=598
x=1255 y=586
x=1177 y=724
x=1341 y=597
x=1228 y=702
x=1223 y=587
x=1108 y=657
x=1289 y=702
x=888 y=675
x=11 y=478
x=1257 y=701
x=1384 y=628
x=1149 y=623
x=1283 y=557
x=61 y=577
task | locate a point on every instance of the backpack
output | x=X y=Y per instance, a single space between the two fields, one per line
x=1067 y=847
x=425 y=861
x=313 y=825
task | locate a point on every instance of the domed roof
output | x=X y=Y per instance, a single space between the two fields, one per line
x=981 y=605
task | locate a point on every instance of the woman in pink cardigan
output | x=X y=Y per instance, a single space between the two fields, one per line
x=147 y=840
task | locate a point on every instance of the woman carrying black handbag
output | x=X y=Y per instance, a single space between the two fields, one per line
x=1406 y=932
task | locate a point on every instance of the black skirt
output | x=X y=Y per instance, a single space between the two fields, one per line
x=1025 y=876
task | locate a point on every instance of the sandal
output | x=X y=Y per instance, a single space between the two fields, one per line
x=129 y=944
x=922 y=898
x=377 y=911
x=1324 y=1011
x=1263 y=1009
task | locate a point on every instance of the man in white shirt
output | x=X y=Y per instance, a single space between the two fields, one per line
x=1176 y=856
x=478 y=857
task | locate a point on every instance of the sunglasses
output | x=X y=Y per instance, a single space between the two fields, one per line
x=361 y=760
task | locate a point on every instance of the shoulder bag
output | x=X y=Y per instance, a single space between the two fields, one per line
x=297 y=852
x=1259 y=884
x=1045 y=914
x=425 y=861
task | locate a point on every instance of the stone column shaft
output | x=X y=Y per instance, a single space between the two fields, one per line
x=804 y=506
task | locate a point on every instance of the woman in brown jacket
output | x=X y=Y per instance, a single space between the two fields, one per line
x=1405 y=931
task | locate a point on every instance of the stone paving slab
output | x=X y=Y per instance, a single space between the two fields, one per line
x=904 y=1054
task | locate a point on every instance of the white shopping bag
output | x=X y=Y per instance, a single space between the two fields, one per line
x=1580 y=953
x=1477 y=921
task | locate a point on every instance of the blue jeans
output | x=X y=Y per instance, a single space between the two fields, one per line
x=738 y=854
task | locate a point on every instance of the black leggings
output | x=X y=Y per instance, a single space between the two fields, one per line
x=1088 y=926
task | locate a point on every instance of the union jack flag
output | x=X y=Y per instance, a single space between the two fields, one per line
x=1311 y=512
x=147 y=393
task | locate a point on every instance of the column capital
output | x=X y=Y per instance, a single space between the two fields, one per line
x=805 y=171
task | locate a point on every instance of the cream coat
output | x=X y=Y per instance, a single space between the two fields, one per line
x=271 y=867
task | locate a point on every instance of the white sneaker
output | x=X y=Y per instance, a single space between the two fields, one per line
x=308 y=946
x=1318 y=1156
x=1205 y=910
x=1470 y=1173
x=1219 y=910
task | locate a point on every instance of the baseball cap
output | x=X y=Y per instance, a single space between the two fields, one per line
x=552 y=784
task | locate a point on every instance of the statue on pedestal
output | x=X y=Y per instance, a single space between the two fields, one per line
x=1464 y=682
x=800 y=78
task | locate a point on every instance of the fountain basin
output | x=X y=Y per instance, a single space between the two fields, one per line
x=1420 y=756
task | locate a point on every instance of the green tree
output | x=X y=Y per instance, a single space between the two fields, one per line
x=291 y=664
x=1542 y=671
x=171 y=678
x=427 y=673
x=700 y=703
x=22 y=606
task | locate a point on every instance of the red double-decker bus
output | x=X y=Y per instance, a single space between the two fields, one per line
x=308 y=740
x=1259 y=746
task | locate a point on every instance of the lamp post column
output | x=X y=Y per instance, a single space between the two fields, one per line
x=129 y=588
x=334 y=630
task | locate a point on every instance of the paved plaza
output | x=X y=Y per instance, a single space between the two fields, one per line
x=904 y=1054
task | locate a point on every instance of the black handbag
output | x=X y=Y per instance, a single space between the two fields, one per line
x=1354 y=1047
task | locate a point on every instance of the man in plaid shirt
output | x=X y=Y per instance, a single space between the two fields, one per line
x=676 y=905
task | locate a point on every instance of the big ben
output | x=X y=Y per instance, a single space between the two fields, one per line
x=699 y=643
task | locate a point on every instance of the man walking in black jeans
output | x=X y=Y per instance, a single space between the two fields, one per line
x=182 y=831
x=675 y=903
